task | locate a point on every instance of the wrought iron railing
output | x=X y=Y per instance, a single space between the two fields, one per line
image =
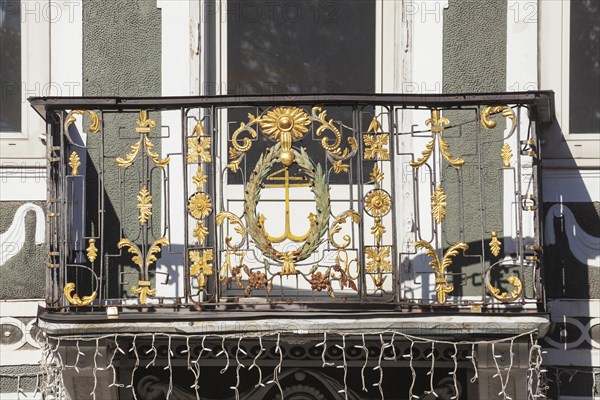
x=384 y=201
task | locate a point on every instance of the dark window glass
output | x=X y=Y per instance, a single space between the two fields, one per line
x=319 y=46
x=584 y=79
x=10 y=66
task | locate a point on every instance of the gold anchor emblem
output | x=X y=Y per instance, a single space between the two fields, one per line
x=300 y=181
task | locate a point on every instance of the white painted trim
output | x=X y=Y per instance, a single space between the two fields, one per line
x=19 y=183
x=13 y=239
x=571 y=185
x=20 y=308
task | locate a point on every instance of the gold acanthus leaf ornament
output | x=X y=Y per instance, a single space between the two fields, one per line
x=378 y=259
x=94 y=126
x=376 y=142
x=437 y=124
x=143 y=127
x=504 y=296
x=376 y=175
x=92 y=250
x=74 y=163
x=332 y=145
x=489 y=111
x=438 y=204
x=137 y=253
x=201 y=266
x=74 y=299
x=495 y=244
x=143 y=290
x=238 y=227
x=506 y=154
x=336 y=228
x=441 y=282
x=144 y=205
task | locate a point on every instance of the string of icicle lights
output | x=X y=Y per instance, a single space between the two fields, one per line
x=53 y=364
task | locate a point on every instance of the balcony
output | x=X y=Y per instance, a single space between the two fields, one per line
x=217 y=208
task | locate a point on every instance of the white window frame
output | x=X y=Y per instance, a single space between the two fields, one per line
x=554 y=64
x=25 y=145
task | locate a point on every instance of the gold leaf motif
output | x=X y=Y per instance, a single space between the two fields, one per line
x=133 y=249
x=74 y=163
x=94 y=126
x=375 y=147
x=375 y=126
x=155 y=248
x=91 y=251
x=144 y=205
x=378 y=279
x=199 y=149
x=506 y=154
x=238 y=227
x=339 y=166
x=201 y=266
x=376 y=175
x=336 y=228
x=276 y=122
x=425 y=153
x=199 y=179
x=504 y=296
x=454 y=162
x=438 y=204
x=74 y=299
x=378 y=230
x=200 y=232
x=437 y=123
x=144 y=125
x=495 y=244
x=441 y=283
x=199 y=205
x=488 y=111
x=143 y=290
x=378 y=259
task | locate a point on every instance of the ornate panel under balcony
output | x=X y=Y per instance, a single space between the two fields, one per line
x=391 y=202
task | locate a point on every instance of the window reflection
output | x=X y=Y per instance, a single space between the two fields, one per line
x=10 y=66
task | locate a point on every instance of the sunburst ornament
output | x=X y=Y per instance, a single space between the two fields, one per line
x=378 y=203
x=199 y=205
x=285 y=124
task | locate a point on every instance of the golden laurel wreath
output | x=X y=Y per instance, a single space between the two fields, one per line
x=318 y=185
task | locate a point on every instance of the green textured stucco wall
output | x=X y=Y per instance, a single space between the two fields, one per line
x=121 y=57
x=24 y=275
x=474 y=60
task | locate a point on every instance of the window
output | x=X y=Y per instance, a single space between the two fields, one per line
x=24 y=72
x=569 y=44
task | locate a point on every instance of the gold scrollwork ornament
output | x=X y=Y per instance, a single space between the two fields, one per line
x=441 y=282
x=94 y=126
x=74 y=299
x=143 y=127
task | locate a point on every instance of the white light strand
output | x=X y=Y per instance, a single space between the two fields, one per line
x=453 y=373
x=431 y=372
x=362 y=370
x=277 y=368
x=412 y=371
x=571 y=373
x=169 y=355
x=344 y=366
x=499 y=374
x=53 y=365
x=261 y=350
x=378 y=367
x=473 y=358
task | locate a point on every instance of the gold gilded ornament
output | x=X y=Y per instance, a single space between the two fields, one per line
x=378 y=259
x=506 y=154
x=143 y=290
x=437 y=124
x=201 y=266
x=91 y=251
x=199 y=146
x=74 y=163
x=74 y=298
x=378 y=203
x=144 y=205
x=199 y=205
x=438 y=204
x=94 y=126
x=488 y=111
x=495 y=244
x=441 y=283
x=143 y=128
x=336 y=228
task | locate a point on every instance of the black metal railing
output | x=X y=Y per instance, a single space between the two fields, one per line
x=384 y=201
